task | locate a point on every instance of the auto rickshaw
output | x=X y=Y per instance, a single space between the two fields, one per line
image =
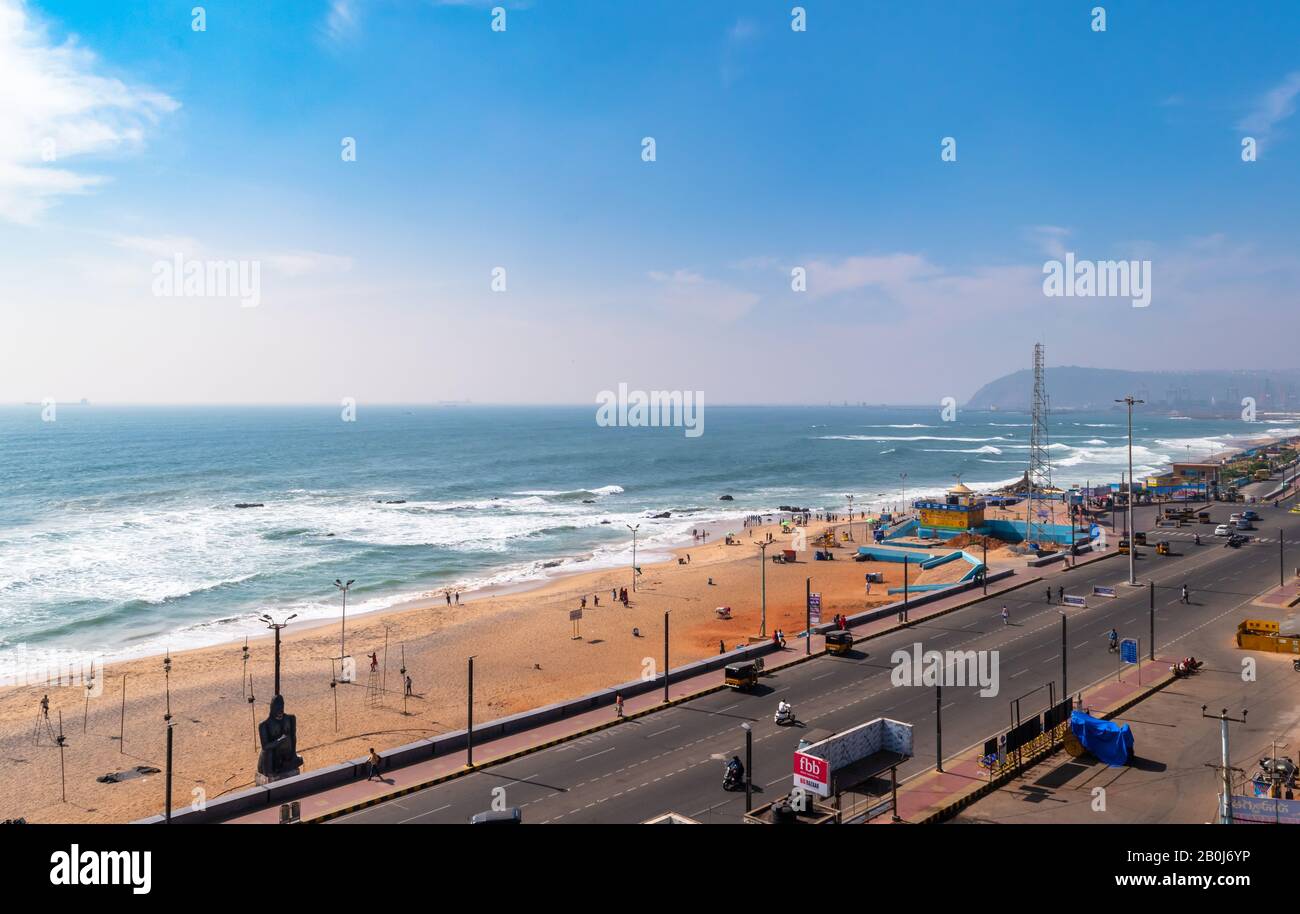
x=839 y=642
x=741 y=676
x=1204 y=517
x=1123 y=547
x=1140 y=538
x=1162 y=547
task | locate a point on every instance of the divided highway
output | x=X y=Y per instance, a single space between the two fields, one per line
x=672 y=760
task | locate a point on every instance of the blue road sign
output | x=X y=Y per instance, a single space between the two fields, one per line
x=1128 y=650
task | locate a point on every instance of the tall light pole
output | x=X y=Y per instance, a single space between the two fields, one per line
x=277 y=626
x=762 y=552
x=903 y=477
x=634 y=530
x=1132 y=548
x=344 y=624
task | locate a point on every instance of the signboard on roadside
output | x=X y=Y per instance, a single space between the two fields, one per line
x=815 y=608
x=1265 y=811
x=1128 y=650
x=1098 y=591
x=1070 y=599
x=812 y=773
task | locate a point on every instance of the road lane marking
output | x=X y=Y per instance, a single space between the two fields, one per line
x=661 y=732
x=593 y=755
x=423 y=814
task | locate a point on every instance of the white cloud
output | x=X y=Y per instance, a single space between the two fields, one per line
x=1273 y=108
x=688 y=294
x=57 y=106
x=341 y=19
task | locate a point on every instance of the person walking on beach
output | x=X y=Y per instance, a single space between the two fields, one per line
x=583 y=602
x=596 y=598
x=447 y=594
x=458 y=598
x=722 y=648
x=372 y=765
x=409 y=691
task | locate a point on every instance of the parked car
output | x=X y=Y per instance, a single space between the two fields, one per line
x=1223 y=530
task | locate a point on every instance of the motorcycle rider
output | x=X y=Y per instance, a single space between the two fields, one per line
x=783 y=710
x=735 y=770
x=1197 y=538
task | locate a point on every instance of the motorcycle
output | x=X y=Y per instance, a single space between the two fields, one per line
x=732 y=779
x=1295 y=665
x=1185 y=668
x=784 y=716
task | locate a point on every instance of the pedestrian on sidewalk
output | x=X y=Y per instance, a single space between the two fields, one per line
x=372 y=765
x=618 y=705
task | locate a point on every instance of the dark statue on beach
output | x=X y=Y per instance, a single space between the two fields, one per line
x=279 y=736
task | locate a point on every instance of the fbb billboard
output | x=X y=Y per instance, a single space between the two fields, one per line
x=812 y=773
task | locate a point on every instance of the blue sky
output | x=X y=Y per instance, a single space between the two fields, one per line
x=522 y=149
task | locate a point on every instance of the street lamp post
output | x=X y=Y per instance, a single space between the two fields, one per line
x=903 y=477
x=634 y=530
x=343 y=626
x=277 y=626
x=749 y=766
x=1130 y=401
x=850 y=498
x=762 y=623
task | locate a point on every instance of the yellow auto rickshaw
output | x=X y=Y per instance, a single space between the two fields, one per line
x=1162 y=547
x=741 y=676
x=1123 y=547
x=839 y=642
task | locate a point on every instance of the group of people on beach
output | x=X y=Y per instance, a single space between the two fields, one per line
x=700 y=536
x=449 y=595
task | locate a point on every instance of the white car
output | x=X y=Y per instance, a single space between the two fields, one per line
x=1222 y=530
x=1233 y=518
x=1245 y=524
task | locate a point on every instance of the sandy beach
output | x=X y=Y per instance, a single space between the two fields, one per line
x=525 y=656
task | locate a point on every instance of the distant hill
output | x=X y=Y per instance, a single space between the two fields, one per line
x=1205 y=393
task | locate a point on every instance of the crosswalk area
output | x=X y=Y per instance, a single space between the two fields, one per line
x=1154 y=536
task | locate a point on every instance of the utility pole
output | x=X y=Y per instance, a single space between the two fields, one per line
x=277 y=627
x=938 y=727
x=634 y=530
x=1132 y=546
x=762 y=552
x=986 y=566
x=343 y=624
x=903 y=477
x=749 y=766
x=1152 y=591
x=1225 y=768
x=1065 y=651
x=807 y=609
x=666 y=667
x=469 y=718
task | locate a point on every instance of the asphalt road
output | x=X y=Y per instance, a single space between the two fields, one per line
x=672 y=760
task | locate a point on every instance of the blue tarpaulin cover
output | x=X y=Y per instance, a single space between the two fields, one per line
x=1110 y=742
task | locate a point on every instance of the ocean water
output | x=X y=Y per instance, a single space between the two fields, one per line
x=119 y=535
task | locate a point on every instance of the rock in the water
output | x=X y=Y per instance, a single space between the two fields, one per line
x=249 y=504
x=725 y=498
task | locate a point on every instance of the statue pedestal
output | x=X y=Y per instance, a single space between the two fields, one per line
x=262 y=780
